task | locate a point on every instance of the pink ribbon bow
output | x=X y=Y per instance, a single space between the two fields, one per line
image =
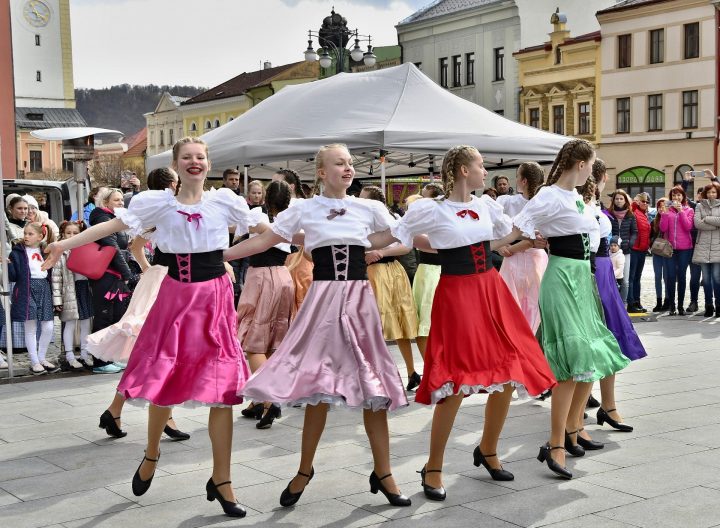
x=194 y=216
x=335 y=212
x=116 y=294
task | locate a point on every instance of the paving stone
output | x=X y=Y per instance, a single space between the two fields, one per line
x=25 y=467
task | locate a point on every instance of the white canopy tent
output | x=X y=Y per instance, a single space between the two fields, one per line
x=398 y=110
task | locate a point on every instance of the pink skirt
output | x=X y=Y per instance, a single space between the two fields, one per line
x=522 y=273
x=115 y=342
x=265 y=309
x=333 y=353
x=187 y=351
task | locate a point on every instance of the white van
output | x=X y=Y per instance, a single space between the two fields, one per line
x=61 y=196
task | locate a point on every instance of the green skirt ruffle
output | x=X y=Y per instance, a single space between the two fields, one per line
x=576 y=342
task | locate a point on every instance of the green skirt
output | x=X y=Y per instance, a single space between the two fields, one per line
x=426 y=280
x=576 y=342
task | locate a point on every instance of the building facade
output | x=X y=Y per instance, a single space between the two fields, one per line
x=658 y=93
x=466 y=46
x=164 y=124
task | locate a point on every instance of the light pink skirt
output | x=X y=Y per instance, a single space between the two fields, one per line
x=522 y=273
x=187 y=351
x=115 y=342
x=333 y=353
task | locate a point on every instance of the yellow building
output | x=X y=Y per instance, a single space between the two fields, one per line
x=560 y=82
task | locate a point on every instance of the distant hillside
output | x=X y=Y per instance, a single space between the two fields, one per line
x=122 y=107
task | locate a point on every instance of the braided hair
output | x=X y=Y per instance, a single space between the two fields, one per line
x=572 y=152
x=455 y=158
x=589 y=190
x=433 y=189
x=291 y=178
x=277 y=198
x=534 y=175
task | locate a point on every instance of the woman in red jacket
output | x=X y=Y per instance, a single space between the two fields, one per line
x=638 y=252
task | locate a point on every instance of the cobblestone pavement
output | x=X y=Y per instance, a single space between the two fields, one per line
x=58 y=470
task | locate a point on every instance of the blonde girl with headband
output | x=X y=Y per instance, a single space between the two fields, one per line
x=576 y=342
x=334 y=352
x=187 y=352
x=32 y=301
x=479 y=341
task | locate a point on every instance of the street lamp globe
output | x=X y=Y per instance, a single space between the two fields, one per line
x=369 y=58
x=325 y=59
x=310 y=54
x=357 y=53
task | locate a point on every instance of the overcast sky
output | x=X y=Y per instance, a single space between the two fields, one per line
x=205 y=42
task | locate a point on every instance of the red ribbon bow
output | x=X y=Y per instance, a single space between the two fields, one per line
x=335 y=212
x=194 y=216
x=468 y=212
x=36 y=256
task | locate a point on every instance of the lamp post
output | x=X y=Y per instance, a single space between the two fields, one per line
x=333 y=37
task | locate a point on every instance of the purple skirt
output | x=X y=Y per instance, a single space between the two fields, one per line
x=616 y=317
x=334 y=352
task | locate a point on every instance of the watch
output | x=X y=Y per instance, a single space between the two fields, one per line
x=37 y=13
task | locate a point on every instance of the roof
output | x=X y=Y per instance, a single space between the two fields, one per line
x=240 y=84
x=137 y=143
x=177 y=100
x=595 y=35
x=629 y=4
x=37 y=118
x=444 y=7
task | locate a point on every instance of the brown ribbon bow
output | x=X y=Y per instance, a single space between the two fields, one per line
x=335 y=212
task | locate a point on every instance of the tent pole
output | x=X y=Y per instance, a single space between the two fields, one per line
x=245 y=180
x=4 y=293
x=382 y=173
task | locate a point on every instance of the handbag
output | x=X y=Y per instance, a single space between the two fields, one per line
x=661 y=248
x=91 y=260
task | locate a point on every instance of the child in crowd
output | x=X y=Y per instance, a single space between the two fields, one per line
x=32 y=295
x=72 y=300
x=618 y=260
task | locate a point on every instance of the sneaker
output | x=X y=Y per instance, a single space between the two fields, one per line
x=4 y=365
x=107 y=369
x=87 y=362
x=120 y=365
x=37 y=370
x=74 y=364
x=51 y=369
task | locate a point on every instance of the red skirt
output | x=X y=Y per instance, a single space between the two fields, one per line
x=480 y=341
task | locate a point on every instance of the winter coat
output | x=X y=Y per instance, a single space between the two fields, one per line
x=677 y=227
x=625 y=229
x=63 y=287
x=618 y=262
x=642 y=243
x=19 y=273
x=117 y=240
x=707 y=222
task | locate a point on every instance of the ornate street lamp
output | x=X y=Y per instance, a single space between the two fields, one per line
x=333 y=38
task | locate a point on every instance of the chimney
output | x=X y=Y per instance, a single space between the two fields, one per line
x=267 y=65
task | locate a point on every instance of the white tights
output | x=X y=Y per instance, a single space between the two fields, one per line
x=69 y=338
x=38 y=348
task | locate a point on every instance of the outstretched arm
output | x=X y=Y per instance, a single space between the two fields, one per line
x=253 y=245
x=137 y=248
x=507 y=239
x=96 y=232
x=381 y=239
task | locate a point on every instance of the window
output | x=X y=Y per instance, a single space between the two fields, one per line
x=38 y=76
x=230 y=118
x=623 y=115
x=444 y=72
x=624 y=51
x=690 y=109
x=558 y=119
x=499 y=63
x=171 y=137
x=67 y=164
x=35 y=161
x=657 y=46
x=534 y=117
x=418 y=65
x=208 y=125
x=583 y=118
x=217 y=123
x=37 y=40
x=456 y=70
x=655 y=112
x=558 y=55
x=500 y=112
x=162 y=138
x=469 y=68
x=692 y=40
x=193 y=127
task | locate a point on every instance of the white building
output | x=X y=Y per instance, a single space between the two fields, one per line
x=165 y=119
x=467 y=45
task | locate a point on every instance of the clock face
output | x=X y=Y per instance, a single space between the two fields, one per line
x=37 y=13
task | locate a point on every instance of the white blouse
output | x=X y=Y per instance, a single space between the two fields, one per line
x=451 y=224
x=264 y=219
x=555 y=212
x=333 y=221
x=196 y=228
x=512 y=204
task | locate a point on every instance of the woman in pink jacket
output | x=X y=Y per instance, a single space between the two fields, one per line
x=676 y=223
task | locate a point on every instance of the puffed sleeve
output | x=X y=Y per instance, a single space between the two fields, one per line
x=418 y=220
x=140 y=216
x=502 y=223
x=382 y=219
x=536 y=213
x=287 y=223
x=238 y=212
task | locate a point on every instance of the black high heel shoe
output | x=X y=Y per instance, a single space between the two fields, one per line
x=140 y=486
x=269 y=417
x=231 y=509
x=588 y=445
x=544 y=456
x=496 y=474
x=592 y=403
x=413 y=381
x=288 y=498
x=255 y=412
x=394 y=499
x=175 y=434
x=574 y=449
x=436 y=494
x=604 y=416
x=107 y=422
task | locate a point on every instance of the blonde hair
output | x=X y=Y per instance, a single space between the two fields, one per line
x=455 y=158
x=180 y=143
x=105 y=198
x=257 y=183
x=572 y=152
x=320 y=160
x=412 y=198
x=44 y=230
